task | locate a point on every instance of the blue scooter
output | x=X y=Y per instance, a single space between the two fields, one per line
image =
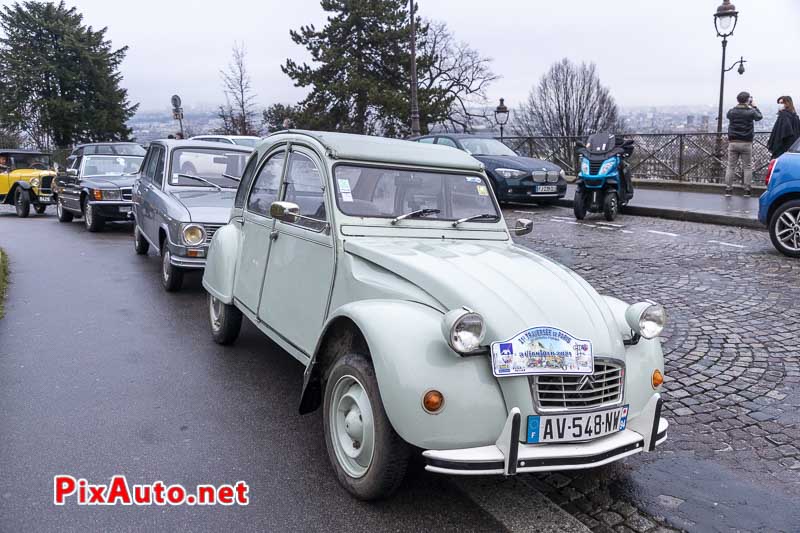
x=602 y=184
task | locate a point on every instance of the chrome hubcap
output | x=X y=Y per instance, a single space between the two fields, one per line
x=88 y=215
x=787 y=229
x=352 y=426
x=215 y=310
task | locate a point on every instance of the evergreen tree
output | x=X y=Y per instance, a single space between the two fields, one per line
x=361 y=74
x=59 y=79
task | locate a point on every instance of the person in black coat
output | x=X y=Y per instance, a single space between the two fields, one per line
x=786 y=130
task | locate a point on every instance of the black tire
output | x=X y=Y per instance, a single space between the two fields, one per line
x=390 y=455
x=93 y=221
x=140 y=244
x=579 y=205
x=226 y=321
x=40 y=209
x=780 y=222
x=63 y=214
x=171 y=276
x=22 y=203
x=610 y=205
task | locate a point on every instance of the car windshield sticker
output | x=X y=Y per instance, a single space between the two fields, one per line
x=482 y=190
x=344 y=189
x=542 y=350
x=175 y=178
x=473 y=179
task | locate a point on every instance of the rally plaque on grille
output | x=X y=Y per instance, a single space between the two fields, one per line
x=542 y=350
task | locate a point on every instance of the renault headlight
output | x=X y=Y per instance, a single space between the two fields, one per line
x=585 y=166
x=464 y=330
x=646 y=319
x=35 y=182
x=194 y=234
x=510 y=173
x=607 y=166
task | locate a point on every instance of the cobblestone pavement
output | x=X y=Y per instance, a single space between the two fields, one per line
x=732 y=373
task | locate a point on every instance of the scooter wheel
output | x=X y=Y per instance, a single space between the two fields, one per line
x=579 y=205
x=610 y=206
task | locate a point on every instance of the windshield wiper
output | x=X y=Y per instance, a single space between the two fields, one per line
x=415 y=214
x=198 y=178
x=474 y=217
x=234 y=178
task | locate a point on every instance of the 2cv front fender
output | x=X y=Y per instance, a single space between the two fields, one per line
x=411 y=357
x=221 y=262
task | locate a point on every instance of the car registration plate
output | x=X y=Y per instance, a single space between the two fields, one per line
x=546 y=188
x=576 y=427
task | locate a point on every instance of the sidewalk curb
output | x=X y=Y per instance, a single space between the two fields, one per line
x=684 y=215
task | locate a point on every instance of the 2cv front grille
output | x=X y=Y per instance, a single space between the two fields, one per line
x=603 y=388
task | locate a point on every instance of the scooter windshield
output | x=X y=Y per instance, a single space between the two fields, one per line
x=599 y=143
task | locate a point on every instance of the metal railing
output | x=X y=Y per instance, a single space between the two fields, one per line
x=683 y=157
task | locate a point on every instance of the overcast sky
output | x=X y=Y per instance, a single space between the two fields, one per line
x=661 y=52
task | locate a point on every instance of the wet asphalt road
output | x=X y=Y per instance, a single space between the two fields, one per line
x=103 y=373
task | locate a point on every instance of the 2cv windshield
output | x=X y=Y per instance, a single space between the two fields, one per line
x=390 y=192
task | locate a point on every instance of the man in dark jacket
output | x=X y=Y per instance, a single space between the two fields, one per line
x=740 y=140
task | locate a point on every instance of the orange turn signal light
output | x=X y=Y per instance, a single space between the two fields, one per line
x=433 y=401
x=658 y=378
x=97 y=194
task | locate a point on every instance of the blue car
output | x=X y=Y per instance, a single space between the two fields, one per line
x=779 y=206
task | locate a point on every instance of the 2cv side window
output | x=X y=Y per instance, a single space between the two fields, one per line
x=267 y=184
x=304 y=188
x=246 y=181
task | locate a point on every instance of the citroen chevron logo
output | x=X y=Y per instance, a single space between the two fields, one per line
x=586 y=383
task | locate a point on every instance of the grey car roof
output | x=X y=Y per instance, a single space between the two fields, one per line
x=460 y=135
x=173 y=144
x=385 y=150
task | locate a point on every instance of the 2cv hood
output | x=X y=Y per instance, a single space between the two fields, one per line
x=513 y=288
x=208 y=206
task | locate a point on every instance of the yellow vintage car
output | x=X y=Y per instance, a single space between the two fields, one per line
x=26 y=179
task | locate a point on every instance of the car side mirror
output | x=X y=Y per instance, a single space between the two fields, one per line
x=72 y=172
x=285 y=211
x=523 y=227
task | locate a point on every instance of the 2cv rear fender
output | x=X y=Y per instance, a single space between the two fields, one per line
x=221 y=262
x=411 y=357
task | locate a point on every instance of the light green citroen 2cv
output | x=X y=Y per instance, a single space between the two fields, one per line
x=386 y=268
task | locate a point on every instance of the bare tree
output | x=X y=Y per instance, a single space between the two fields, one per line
x=457 y=73
x=238 y=115
x=568 y=101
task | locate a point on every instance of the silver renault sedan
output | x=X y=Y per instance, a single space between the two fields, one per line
x=184 y=193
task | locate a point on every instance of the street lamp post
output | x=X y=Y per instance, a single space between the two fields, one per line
x=415 y=129
x=501 y=116
x=725 y=20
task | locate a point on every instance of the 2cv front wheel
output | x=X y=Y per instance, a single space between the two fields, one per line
x=226 y=321
x=369 y=457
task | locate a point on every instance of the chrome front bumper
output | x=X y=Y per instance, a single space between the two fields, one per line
x=508 y=456
x=188 y=262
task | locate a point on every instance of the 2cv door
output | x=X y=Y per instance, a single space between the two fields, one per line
x=301 y=258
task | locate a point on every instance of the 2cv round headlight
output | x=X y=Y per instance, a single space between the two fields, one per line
x=646 y=319
x=194 y=234
x=464 y=330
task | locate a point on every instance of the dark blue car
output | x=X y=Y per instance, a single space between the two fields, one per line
x=779 y=206
x=513 y=177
